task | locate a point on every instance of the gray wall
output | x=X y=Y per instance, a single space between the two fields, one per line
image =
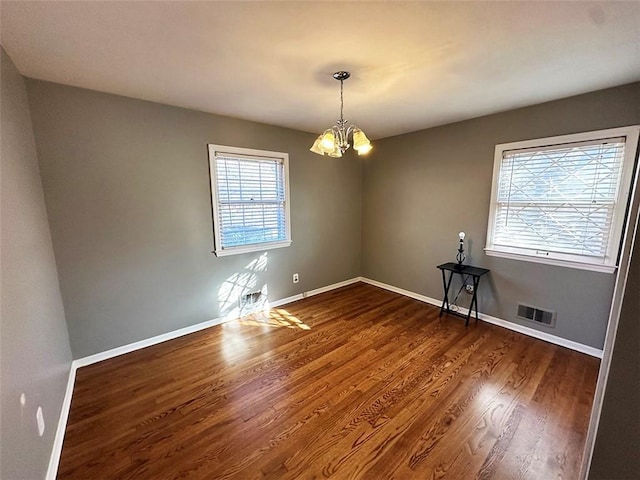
x=34 y=344
x=126 y=184
x=617 y=450
x=421 y=189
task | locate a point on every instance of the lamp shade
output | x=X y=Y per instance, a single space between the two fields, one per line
x=360 y=142
x=328 y=141
x=315 y=148
x=336 y=153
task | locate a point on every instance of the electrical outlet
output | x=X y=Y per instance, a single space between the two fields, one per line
x=469 y=288
x=296 y=278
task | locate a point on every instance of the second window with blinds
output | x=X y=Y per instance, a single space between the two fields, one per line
x=250 y=199
x=562 y=200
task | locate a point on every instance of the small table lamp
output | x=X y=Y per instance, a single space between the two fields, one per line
x=460 y=256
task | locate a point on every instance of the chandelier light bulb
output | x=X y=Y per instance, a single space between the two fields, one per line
x=364 y=150
x=328 y=140
x=460 y=256
x=360 y=142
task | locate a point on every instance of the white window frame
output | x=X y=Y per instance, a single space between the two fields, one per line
x=218 y=150
x=608 y=264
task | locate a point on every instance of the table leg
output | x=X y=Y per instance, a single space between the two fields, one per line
x=466 y=323
x=474 y=299
x=445 y=285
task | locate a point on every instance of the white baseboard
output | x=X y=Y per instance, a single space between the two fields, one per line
x=401 y=291
x=132 y=347
x=547 y=337
x=284 y=301
x=54 y=460
x=333 y=286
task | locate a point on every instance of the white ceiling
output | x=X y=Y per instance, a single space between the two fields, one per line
x=414 y=64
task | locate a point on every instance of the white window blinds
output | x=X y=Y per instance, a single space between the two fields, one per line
x=559 y=199
x=250 y=200
x=562 y=200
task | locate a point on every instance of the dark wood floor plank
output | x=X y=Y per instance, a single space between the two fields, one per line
x=353 y=383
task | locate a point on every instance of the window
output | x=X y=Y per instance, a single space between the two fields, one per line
x=250 y=199
x=562 y=200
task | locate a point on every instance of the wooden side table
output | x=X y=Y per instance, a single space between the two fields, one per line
x=474 y=272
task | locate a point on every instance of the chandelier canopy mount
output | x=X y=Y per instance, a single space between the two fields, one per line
x=341 y=76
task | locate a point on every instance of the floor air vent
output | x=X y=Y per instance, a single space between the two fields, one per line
x=533 y=314
x=251 y=298
x=251 y=302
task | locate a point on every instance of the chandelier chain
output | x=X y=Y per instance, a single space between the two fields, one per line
x=341 y=100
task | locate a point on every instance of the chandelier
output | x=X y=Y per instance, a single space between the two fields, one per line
x=335 y=140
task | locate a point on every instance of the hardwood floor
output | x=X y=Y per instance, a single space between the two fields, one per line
x=354 y=383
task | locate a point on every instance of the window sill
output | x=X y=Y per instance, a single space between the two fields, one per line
x=258 y=247
x=551 y=261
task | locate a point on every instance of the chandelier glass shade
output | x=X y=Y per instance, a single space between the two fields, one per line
x=335 y=140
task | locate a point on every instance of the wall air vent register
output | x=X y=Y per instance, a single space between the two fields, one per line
x=537 y=315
